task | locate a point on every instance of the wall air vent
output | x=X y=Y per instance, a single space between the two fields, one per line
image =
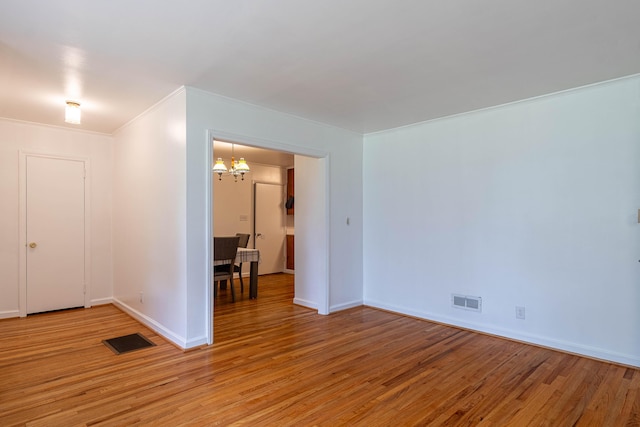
x=466 y=302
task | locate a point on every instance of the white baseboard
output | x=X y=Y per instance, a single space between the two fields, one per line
x=101 y=301
x=8 y=314
x=345 y=306
x=196 y=342
x=566 y=346
x=305 y=303
x=157 y=327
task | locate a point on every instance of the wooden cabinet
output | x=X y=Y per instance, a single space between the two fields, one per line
x=290 y=189
x=290 y=252
x=290 y=264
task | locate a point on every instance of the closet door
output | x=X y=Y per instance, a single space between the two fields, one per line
x=55 y=228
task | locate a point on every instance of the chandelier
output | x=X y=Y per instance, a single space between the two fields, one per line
x=237 y=168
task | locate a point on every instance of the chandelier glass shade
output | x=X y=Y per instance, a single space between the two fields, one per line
x=237 y=168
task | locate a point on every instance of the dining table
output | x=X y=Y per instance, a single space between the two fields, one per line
x=251 y=256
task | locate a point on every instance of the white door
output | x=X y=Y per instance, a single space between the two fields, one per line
x=269 y=228
x=55 y=217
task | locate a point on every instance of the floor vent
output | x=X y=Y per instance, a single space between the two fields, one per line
x=466 y=302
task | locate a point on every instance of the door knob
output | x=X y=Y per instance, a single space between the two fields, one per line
x=32 y=245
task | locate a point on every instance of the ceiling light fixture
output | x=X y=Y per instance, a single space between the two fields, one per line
x=237 y=168
x=72 y=113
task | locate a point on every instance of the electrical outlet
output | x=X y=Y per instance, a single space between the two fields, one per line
x=520 y=313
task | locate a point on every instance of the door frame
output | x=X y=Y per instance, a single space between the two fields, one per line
x=22 y=226
x=211 y=134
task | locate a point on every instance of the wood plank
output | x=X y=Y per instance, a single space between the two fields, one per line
x=275 y=363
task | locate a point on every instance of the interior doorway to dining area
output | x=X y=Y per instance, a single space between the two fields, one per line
x=254 y=203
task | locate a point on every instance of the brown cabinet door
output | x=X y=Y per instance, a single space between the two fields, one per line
x=290 y=252
x=290 y=189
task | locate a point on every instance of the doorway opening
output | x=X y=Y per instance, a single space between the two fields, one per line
x=233 y=210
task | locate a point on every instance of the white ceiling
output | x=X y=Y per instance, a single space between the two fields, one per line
x=363 y=65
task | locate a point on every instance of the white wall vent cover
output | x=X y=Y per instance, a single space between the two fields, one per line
x=466 y=302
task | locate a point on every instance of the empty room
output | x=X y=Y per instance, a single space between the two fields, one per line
x=467 y=213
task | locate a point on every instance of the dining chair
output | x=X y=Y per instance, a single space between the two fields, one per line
x=242 y=243
x=224 y=249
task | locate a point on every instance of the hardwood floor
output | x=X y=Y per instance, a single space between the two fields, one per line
x=274 y=363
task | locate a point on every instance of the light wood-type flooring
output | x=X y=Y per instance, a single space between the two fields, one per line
x=277 y=364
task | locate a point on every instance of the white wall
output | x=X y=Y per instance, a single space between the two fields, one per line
x=311 y=237
x=30 y=137
x=207 y=112
x=531 y=204
x=149 y=221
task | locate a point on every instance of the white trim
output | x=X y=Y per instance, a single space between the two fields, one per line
x=208 y=189
x=161 y=102
x=346 y=306
x=504 y=105
x=305 y=303
x=9 y=314
x=102 y=301
x=567 y=346
x=56 y=127
x=22 y=234
x=236 y=101
x=152 y=324
x=22 y=225
x=87 y=232
x=323 y=306
x=265 y=143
